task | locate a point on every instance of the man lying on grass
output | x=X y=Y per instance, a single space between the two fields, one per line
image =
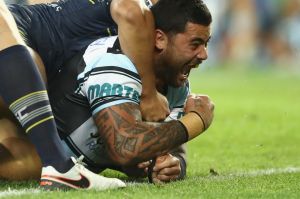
x=97 y=106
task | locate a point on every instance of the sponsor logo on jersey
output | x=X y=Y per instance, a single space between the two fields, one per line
x=97 y=91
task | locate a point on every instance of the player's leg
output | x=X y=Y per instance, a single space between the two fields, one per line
x=23 y=90
x=25 y=94
x=18 y=157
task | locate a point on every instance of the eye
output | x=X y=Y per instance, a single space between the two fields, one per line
x=194 y=46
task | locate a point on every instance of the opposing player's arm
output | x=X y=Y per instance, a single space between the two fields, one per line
x=136 y=33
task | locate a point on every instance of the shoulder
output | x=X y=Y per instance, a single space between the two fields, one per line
x=105 y=53
x=109 y=78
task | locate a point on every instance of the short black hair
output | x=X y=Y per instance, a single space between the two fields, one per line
x=171 y=16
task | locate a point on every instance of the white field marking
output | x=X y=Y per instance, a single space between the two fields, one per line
x=18 y=192
x=255 y=173
x=269 y=172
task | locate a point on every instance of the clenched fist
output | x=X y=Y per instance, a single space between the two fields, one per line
x=203 y=106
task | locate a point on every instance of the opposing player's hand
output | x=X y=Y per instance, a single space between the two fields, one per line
x=167 y=168
x=202 y=105
x=154 y=107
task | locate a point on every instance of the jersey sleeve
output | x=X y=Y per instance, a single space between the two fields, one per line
x=108 y=80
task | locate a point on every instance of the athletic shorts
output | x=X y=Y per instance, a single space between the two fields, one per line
x=58 y=31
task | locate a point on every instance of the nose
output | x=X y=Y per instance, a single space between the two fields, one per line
x=202 y=52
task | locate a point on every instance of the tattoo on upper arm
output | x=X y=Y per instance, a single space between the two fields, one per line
x=127 y=135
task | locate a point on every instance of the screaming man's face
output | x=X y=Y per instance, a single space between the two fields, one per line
x=180 y=53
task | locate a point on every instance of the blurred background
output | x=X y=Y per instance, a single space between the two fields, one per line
x=256 y=33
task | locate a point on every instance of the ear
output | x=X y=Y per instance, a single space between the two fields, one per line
x=161 y=39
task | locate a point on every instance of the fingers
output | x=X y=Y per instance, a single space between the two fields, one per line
x=166 y=169
x=166 y=178
x=202 y=105
x=159 y=178
x=172 y=171
x=165 y=162
x=144 y=165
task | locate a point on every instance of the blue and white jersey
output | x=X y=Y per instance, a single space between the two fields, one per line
x=111 y=79
x=108 y=79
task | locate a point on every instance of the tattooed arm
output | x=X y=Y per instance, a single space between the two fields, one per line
x=129 y=140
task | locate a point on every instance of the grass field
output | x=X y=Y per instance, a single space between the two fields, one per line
x=252 y=150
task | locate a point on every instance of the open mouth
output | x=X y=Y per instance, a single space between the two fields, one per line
x=187 y=69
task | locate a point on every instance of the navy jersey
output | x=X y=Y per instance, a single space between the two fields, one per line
x=57 y=31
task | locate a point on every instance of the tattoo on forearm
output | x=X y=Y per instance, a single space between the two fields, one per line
x=127 y=136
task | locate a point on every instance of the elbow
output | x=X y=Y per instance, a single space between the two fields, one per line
x=130 y=12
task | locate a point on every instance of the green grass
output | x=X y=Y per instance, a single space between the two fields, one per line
x=256 y=128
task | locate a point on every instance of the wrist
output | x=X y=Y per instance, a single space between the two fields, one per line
x=149 y=84
x=201 y=117
x=149 y=90
x=193 y=124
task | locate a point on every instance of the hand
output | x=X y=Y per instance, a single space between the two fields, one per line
x=166 y=168
x=154 y=108
x=202 y=105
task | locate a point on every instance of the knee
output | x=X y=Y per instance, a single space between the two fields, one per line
x=18 y=160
